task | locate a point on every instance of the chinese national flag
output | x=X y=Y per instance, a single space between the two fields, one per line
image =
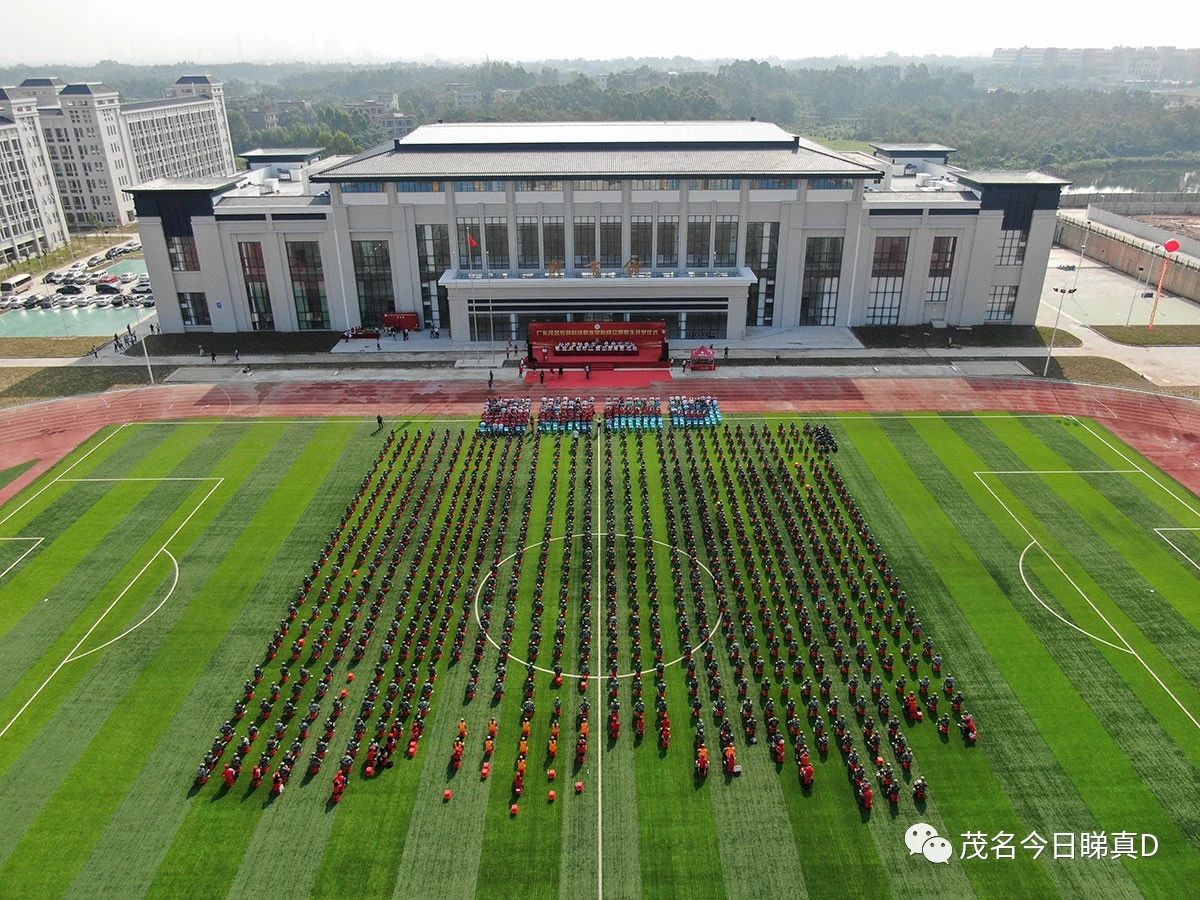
x=471 y=240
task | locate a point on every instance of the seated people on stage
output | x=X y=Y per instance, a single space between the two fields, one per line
x=589 y=347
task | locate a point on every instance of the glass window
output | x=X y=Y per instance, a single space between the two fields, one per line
x=641 y=239
x=725 y=245
x=308 y=285
x=420 y=187
x=775 y=184
x=762 y=256
x=887 y=281
x=699 y=242
x=554 y=241
x=1002 y=303
x=537 y=184
x=941 y=264
x=654 y=184
x=433 y=259
x=714 y=184
x=822 y=278
x=254 y=276
x=585 y=240
x=1011 y=249
x=610 y=241
x=667 y=245
x=467 y=187
x=470 y=255
x=194 y=309
x=362 y=187
x=597 y=184
x=373 y=278
x=830 y=184
x=182 y=251
x=528 y=255
x=495 y=232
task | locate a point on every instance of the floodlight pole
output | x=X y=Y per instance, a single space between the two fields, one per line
x=1062 y=296
x=146 y=355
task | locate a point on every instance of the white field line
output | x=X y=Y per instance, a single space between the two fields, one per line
x=1033 y=540
x=1134 y=463
x=50 y=484
x=145 y=619
x=599 y=694
x=33 y=546
x=1051 y=610
x=74 y=654
x=1159 y=532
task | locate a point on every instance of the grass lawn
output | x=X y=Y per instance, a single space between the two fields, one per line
x=172 y=557
x=1160 y=336
x=247 y=342
x=7 y=475
x=879 y=336
x=42 y=347
x=66 y=381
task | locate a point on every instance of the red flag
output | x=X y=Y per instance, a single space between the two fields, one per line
x=471 y=242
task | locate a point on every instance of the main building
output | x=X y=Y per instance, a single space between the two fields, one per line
x=720 y=229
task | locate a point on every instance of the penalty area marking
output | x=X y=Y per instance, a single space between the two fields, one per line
x=74 y=653
x=1178 y=549
x=33 y=546
x=1033 y=541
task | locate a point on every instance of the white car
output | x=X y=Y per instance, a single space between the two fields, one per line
x=129 y=277
x=77 y=266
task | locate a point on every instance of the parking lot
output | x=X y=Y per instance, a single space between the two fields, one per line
x=98 y=297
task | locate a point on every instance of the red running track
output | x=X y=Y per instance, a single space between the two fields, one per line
x=1164 y=429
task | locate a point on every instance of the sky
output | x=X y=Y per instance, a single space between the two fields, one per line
x=372 y=31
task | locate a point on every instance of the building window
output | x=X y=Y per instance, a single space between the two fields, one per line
x=254 y=276
x=362 y=187
x=830 y=184
x=822 y=278
x=182 y=251
x=433 y=259
x=1011 y=249
x=667 y=252
x=420 y=187
x=1002 y=303
x=762 y=255
x=641 y=239
x=554 y=241
x=654 y=184
x=537 y=184
x=725 y=245
x=714 y=184
x=308 y=285
x=470 y=249
x=467 y=187
x=373 y=278
x=597 y=184
x=774 y=184
x=528 y=256
x=941 y=264
x=699 y=241
x=585 y=240
x=610 y=241
x=887 y=281
x=495 y=232
x=194 y=309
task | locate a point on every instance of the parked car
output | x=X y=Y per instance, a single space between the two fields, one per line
x=142 y=289
x=108 y=288
x=129 y=278
x=96 y=261
x=31 y=301
x=71 y=289
x=112 y=252
x=147 y=301
x=78 y=266
x=109 y=278
x=134 y=246
x=50 y=278
x=95 y=278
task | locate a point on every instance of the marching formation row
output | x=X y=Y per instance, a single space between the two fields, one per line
x=511 y=416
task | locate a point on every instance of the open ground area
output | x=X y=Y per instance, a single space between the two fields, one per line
x=402 y=587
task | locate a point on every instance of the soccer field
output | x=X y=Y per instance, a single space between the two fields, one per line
x=1056 y=572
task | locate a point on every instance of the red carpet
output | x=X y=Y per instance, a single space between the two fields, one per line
x=600 y=381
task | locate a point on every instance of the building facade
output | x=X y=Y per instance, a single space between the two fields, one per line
x=98 y=146
x=720 y=229
x=31 y=217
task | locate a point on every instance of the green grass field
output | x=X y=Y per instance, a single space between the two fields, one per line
x=1057 y=571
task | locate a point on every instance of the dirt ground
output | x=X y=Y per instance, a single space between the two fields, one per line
x=1185 y=226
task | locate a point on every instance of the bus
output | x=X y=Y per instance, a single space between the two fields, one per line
x=16 y=284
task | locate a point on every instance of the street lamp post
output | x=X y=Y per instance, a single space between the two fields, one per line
x=1062 y=296
x=1137 y=289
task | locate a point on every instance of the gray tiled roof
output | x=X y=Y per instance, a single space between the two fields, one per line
x=195 y=79
x=93 y=87
x=801 y=161
x=8 y=93
x=51 y=81
x=211 y=183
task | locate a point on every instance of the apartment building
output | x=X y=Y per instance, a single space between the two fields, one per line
x=31 y=216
